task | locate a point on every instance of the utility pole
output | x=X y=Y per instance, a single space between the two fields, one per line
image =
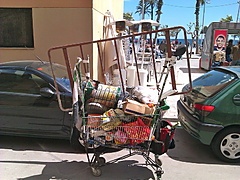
x=203 y=18
x=238 y=11
x=234 y=36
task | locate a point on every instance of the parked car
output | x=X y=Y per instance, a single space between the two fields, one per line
x=210 y=111
x=28 y=101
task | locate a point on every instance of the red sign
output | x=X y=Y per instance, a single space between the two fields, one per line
x=220 y=38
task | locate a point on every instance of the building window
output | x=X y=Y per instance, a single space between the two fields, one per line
x=16 y=28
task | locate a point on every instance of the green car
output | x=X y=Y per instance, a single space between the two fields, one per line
x=210 y=111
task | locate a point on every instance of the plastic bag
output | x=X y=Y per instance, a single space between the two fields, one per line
x=145 y=94
x=137 y=131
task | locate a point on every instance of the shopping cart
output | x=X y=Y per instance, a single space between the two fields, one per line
x=120 y=121
x=140 y=134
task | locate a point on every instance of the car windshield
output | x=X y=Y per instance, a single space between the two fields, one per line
x=60 y=72
x=212 y=82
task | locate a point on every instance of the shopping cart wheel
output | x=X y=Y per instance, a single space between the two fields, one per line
x=158 y=161
x=101 y=161
x=96 y=171
x=159 y=174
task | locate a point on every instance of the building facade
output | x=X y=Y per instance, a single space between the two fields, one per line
x=29 y=28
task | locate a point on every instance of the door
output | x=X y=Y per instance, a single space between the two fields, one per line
x=22 y=108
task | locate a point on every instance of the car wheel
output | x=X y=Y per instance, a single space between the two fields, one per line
x=75 y=134
x=226 y=145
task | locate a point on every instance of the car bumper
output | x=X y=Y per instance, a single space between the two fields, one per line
x=200 y=130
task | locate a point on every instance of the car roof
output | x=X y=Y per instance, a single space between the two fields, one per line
x=24 y=63
x=233 y=69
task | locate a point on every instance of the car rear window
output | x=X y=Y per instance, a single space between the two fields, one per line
x=212 y=82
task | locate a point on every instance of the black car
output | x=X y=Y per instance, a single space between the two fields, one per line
x=28 y=101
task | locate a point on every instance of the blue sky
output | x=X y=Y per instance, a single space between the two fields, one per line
x=181 y=12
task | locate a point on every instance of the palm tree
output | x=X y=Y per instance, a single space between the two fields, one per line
x=152 y=4
x=198 y=4
x=149 y=6
x=143 y=11
x=159 y=5
x=159 y=10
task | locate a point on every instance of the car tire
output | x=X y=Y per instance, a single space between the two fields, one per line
x=75 y=134
x=226 y=145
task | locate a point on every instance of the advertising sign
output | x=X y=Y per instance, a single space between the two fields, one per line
x=220 y=38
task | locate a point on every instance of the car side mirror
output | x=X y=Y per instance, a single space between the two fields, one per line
x=46 y=92
x=181 y=49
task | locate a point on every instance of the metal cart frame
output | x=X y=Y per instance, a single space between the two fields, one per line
x=140 y=145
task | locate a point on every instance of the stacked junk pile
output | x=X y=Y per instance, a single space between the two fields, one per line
x=120 y=111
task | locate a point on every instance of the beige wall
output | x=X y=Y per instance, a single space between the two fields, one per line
x=53 y=27
x=115 y=7
x=60 y=22
x=46 y=3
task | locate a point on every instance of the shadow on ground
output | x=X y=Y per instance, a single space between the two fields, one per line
x=189 y=149
x=127 y=169
x=37 y=144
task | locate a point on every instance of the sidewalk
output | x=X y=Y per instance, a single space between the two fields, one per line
x=193 y=55
x=182 y=78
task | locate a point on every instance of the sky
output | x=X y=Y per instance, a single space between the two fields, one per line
x=181 y=12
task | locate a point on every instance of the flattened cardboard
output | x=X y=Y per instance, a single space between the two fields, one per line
x=134 y=107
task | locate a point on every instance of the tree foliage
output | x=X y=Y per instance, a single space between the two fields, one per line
x=143 y=9
x=128 y=16
x=228 y=18
x=149 y=7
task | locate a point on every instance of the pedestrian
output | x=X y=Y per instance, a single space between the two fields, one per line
x=178 y=44
x=228 y=51
x=163 y=47
x=173 y=46
x=236 y=55
x=194 y=44
x=148 y=48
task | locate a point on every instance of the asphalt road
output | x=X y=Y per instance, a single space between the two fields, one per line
x=44 y=159
x=41 y=159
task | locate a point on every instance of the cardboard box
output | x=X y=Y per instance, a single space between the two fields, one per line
x=135 y=107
